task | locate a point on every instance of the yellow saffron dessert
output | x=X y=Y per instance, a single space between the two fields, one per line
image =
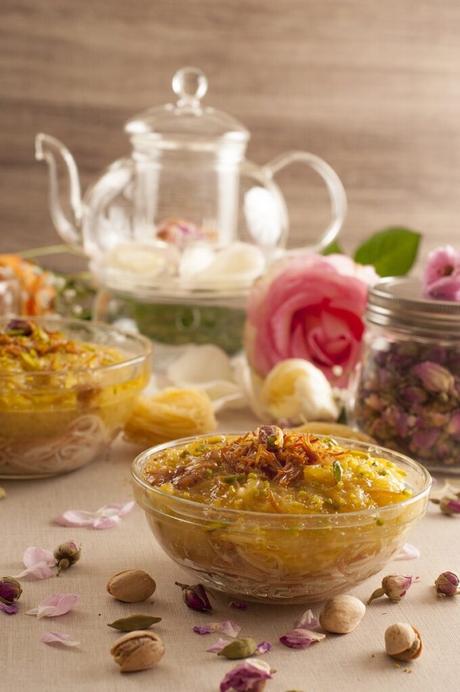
x=279 y=515
x=63 y=397
x=27 y=347
x=274 y=471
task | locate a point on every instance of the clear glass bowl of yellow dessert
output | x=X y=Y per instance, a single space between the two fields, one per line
x=66 y=388
x=279 y=516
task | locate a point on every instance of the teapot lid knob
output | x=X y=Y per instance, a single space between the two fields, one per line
x=190 y=85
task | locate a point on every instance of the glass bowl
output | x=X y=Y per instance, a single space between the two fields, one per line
x=281 y=558
x=56 y=421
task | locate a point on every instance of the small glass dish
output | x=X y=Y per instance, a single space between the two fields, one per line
x=281 y=558
x=52 y=422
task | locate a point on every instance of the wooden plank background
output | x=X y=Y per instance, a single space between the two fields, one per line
x=373 y=87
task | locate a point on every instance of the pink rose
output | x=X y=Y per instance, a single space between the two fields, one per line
x=441 y=276
x=309 y=307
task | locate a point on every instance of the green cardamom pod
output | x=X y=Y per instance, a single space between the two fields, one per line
x=134 y=622
x=239 y=648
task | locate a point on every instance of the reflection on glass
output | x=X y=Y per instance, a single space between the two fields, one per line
x=10 y=295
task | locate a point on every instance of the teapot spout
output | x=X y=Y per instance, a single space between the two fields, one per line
x=67 y=224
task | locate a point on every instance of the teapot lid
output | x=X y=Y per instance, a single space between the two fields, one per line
x=187 y=118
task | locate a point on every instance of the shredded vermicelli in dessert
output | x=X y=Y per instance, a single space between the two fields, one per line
x=85 y=438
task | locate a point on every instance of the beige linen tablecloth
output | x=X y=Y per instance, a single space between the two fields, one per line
x=347 y=663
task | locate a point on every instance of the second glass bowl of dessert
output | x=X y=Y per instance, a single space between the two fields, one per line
x=66 y=389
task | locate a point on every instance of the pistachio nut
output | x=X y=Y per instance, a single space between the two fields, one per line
x=131 y=586
x=342 y=614
x=137 y=650
x=403 y=642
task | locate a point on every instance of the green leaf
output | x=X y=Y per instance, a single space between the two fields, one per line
x=392 y=251
x=332 y=249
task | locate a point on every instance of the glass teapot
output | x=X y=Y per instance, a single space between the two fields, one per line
x=184 y=201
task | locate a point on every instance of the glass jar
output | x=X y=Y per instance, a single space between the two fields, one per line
x=407 y=390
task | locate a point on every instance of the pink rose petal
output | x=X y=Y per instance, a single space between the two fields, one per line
x=73 y=517
x=227 y=627
x=9 y=608
x=263 y=648
x=32 y=555
x=59 y=639
x=230 y=628
x=202 y=629
x=345 y=265
x=39 y=562
x=218 y=646
x=407 y=552
x=55 y=605
x=307 y=621
x=105 y=517
x=249 y=676
x=120 y=508
x=300 y=638
x=105 y=522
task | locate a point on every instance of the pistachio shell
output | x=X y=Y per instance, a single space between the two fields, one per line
x=137 y=650
x=131 y=586
x=134 y=622
x=342 y=614
x=403 y=641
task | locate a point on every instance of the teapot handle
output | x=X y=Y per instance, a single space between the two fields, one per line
x=334 y=186
x=54 y=152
